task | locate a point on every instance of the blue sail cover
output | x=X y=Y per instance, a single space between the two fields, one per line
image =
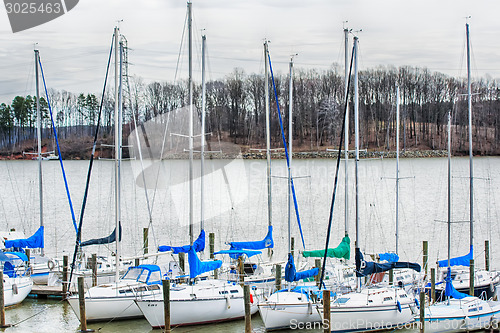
x=458 y=261
x=388 y=257
x=105 y=240
x=449 y=290
x=292 y=275
x=267 y=242
x=197 y=267
x=235 y=254
x=364 y=268
x=35 y=241
x=198 y=244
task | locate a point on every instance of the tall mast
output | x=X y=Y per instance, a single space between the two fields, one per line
x=39 y=136
x=397 y=169
x=469 y=103
x=203 y=106
x=118 y=60
x=190 y=82
x=356 y=135
x=290 y=139
x=346 y=131
x=268 y=137
x=449 y=188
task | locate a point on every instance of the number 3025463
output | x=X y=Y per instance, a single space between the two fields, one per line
x=32 y=8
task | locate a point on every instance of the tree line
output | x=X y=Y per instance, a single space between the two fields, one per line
x=235 y=108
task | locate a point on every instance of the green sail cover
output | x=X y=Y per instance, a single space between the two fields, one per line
x=341 y=251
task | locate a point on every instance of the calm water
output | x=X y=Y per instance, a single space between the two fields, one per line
x=236 y=209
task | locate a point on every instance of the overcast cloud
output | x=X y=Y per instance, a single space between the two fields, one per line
x=74 y=47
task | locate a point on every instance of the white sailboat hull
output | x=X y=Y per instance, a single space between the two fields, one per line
x=107 y=308
x=205 y=302
x=16 y=289
x=288 y=309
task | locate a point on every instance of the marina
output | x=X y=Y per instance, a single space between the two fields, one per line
x=187 y=207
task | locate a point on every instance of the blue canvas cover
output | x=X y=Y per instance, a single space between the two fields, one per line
x=292 y=275
x=458 y=261
x=198 y=244
x=449 y=290
x=105 y=240
x=364 y=268
x=393 y=257
x=266 y=243
x=235 y=254
x=35 y=241
x=197 y=267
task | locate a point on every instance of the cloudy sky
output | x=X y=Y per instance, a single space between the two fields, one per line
x=74 y=47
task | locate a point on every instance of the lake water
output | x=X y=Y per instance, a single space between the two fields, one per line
x=236 y=209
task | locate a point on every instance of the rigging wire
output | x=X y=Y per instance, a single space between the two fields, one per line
x=330 y=219
x=89 y=172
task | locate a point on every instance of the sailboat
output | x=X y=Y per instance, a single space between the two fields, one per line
x=485 y=282
x=294 y=304
x=375 y=307
x=115 y=300
x=460 y=312
x=201 y=300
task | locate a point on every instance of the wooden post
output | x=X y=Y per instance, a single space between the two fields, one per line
x=2 y=303
x=137 y=262
x=278 y=277
x=145 y=237
x=94 y=269
x=471 y=278
x=166 y=304
x=326 y=311
x=241 y=270
x=433 y=285
x=211 y=242
x=248 y=313
x=422 y=311
x=28 y=254
x=317 y=263
x=487 y=254
x=391 y=277
x=425 y=255
x=182 y=261
x=292 y=243
x=81 y=300
x=65 y=286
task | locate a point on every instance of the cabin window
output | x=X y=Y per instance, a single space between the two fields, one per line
x=341 y=300
x=153 y=287
x=223 y=292
x=132 y=274
x=140 y=289
x=143 y=277
x=387 y=299
x=473 y=309
x=234 y=291
x=154 y=277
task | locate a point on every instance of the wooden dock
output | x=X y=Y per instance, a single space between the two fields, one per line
x=41 y=291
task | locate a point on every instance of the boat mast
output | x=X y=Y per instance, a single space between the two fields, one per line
x=190 y=83
x=346 y=131
x=268 y=138
x=356 y=143
x=290 y=139
x=203 y=106
x=39 y=136
x=397 y=169
x=469 y=103
x=449 y=189
x=117 y=151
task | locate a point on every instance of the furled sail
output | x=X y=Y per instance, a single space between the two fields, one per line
x=267 y=242
x=198 y=245
x=35 y=241
x=341 y=251
x=364 y=268
x=235 y=254
x=105 y=240
x=458 y=261
x=197 y=267
x=449 y=290
x=292 y=275
x=391 y=257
